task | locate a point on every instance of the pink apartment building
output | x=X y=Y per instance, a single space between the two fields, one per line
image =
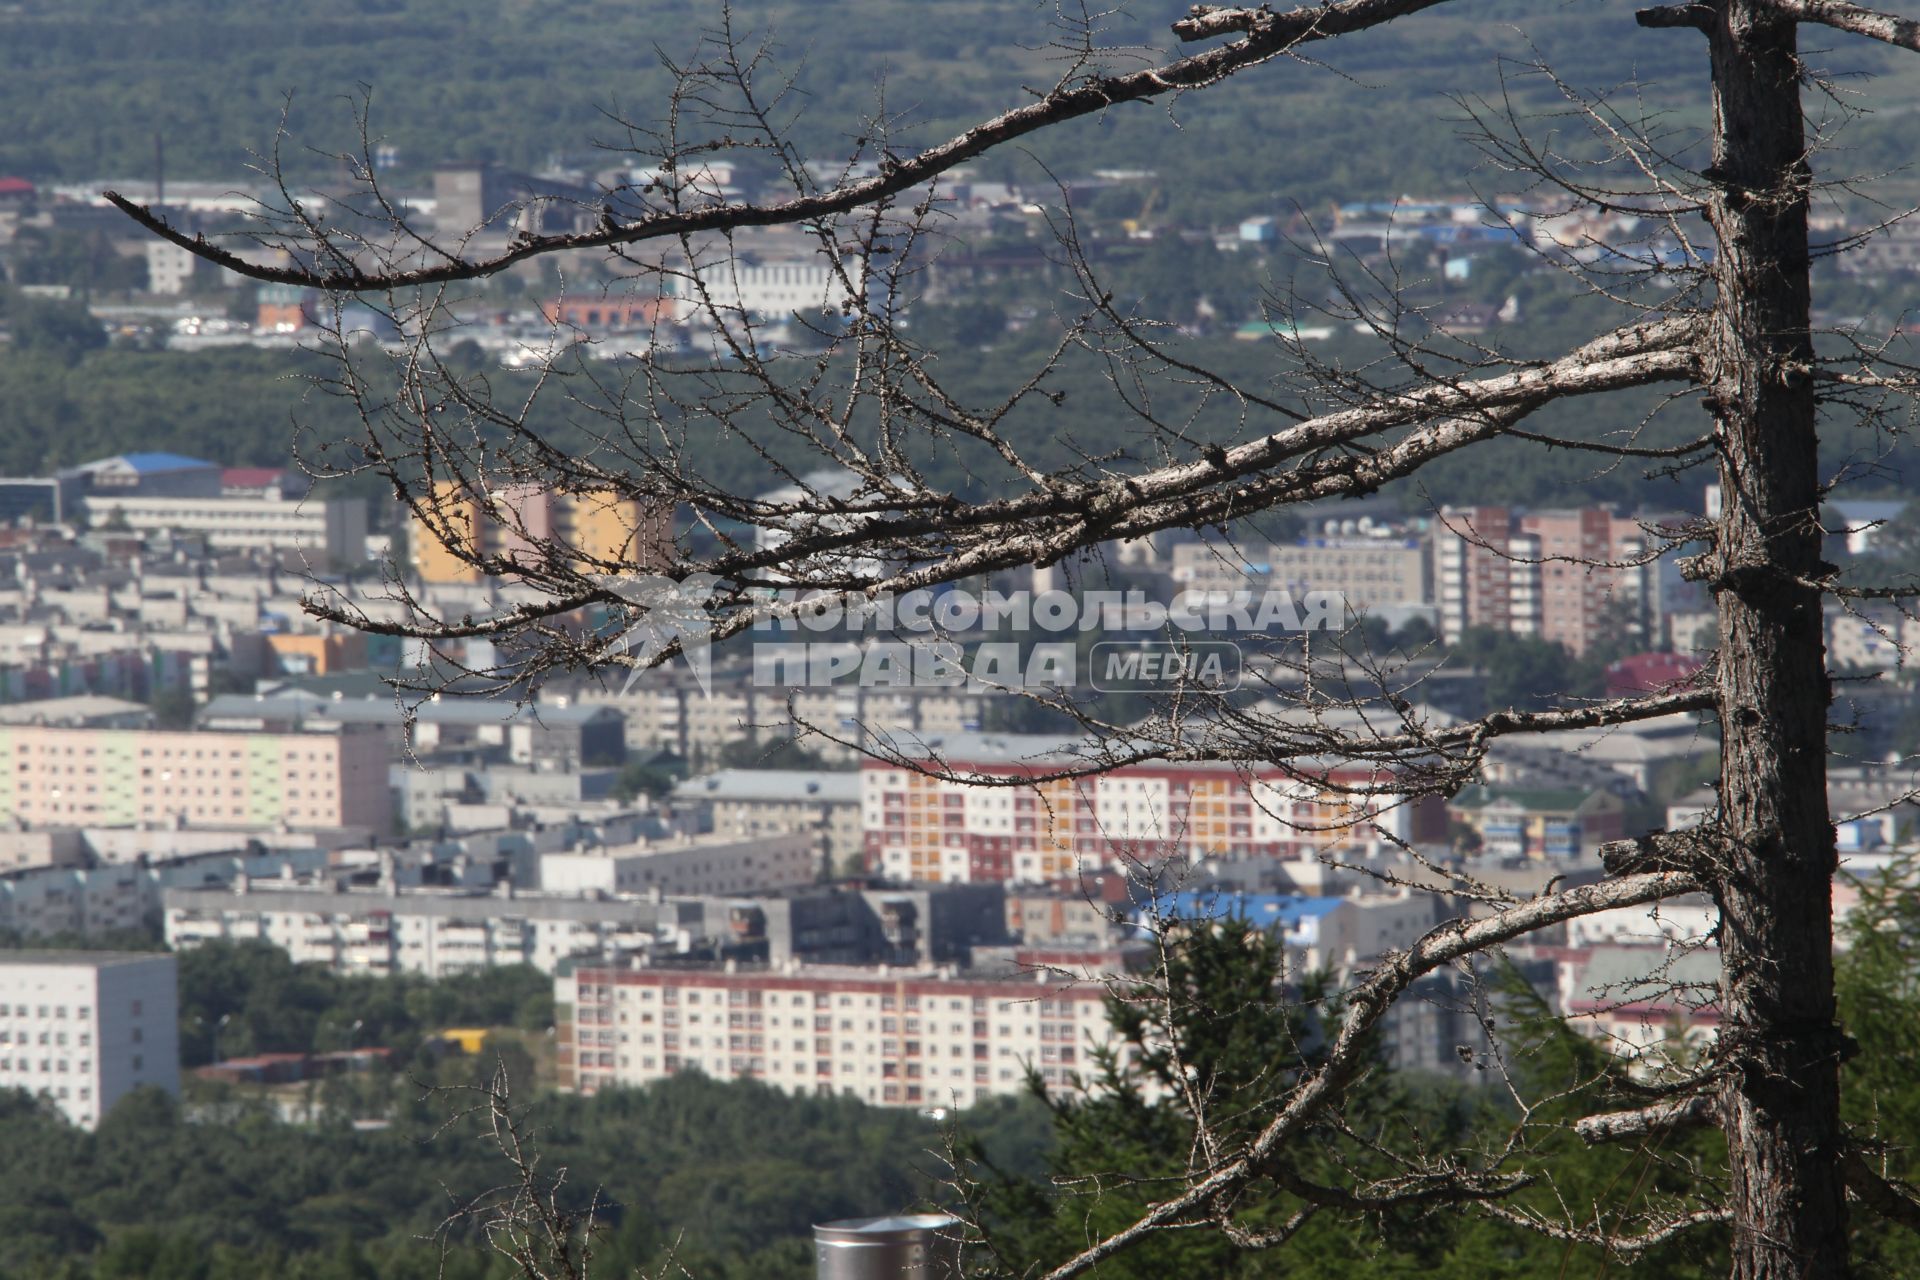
x=1572 y=576
x=53 y=777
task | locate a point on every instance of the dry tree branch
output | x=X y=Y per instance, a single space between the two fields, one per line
x=1364 y=1005
x=1887 y=28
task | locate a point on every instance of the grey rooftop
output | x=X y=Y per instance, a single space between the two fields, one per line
x=773 y=786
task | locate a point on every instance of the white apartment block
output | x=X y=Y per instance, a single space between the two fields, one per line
x=40 y=901
x=331 y=532
x=770 y=290
x=53 y=777
x=920 y=1039
x=430 y=932
x=84 y=1028
x=747 y=803
x=686 y=865
x=170 y=268
x=663 y=711
x=1367 y=573
x=1870 y=639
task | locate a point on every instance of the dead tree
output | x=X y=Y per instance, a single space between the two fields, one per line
x=1736 y=337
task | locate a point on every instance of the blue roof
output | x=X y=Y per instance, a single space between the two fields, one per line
x=1270 y=910
x=147 y=463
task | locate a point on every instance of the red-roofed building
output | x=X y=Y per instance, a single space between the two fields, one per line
x=18 y=189
x=1649 y=673
x=261 y=482
x=292 y=1068
x=595 y=315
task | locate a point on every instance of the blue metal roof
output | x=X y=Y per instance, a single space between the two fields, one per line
x=153 y=463
x=1269 y=910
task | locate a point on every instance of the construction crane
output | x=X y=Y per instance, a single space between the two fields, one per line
x=1136 y=226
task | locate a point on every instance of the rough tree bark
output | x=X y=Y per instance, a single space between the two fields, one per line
x=1779 y=1038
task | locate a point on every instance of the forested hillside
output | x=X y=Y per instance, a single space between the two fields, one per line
x=87 y=85
x=71 y=403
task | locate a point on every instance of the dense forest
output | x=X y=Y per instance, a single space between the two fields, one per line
x=206 y=1191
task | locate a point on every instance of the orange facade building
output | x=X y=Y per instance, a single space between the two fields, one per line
x=600 y=530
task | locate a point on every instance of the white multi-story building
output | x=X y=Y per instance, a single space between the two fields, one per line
x=686 y=864
x=85 y=1028
x=755 y=802
x=331 y=532
x=916 y=1039
x=170 y=268
x=39 y=901
x=1368 y=574
x=425 y=931
x=773 y=289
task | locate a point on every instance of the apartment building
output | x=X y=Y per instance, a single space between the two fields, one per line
x=1483 y=573
x=59 y=777
x=1539 y=822
x=685 y=864
x=1572 y=577
x=430 y=932
x=666 y=709
x=42 y=901
x=556 y=732
x=917 y=1038
x=318 y=918
x=330 y=533
x=603 y=532
x=1654 y=1006
x=754 y=802
x=922 y=827
x=1368 y=573
x=85 y=1028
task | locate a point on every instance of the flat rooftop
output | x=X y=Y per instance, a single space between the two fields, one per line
x=88 y=959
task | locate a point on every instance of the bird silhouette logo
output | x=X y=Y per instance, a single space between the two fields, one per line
x=665 y=616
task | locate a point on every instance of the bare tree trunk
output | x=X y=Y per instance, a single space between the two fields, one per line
x=1781 y=1098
